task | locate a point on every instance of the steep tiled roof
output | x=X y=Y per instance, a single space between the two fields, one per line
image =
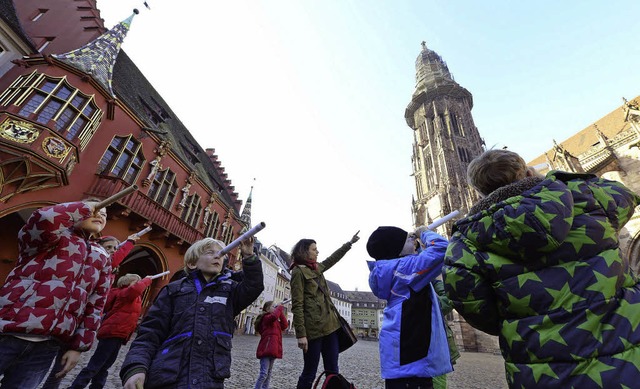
x=8 y=14
x=132 y=87
x=610 y=125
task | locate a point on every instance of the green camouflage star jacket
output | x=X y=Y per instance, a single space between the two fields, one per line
x=537 y=263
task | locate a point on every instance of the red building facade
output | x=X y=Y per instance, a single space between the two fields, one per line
x=78 y=120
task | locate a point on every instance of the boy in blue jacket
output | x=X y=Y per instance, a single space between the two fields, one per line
x=185 y=339
x=413 y=341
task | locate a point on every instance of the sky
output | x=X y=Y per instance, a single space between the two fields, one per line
x=304 y=100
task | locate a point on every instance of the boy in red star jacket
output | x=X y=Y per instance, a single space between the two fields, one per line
x=55 y=294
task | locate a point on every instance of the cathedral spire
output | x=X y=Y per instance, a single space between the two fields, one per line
x=246 y=212
x=98 y=57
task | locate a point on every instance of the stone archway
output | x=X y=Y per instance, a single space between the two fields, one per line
x=145 y=260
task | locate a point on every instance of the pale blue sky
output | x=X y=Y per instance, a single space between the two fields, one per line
x=308 y=97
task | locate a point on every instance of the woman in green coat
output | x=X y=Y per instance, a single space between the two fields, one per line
x=314 y=319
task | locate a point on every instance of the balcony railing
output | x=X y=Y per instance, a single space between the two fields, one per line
x=142 y=205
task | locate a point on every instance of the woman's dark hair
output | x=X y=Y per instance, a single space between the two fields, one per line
x=267 y=305
x=300 y=250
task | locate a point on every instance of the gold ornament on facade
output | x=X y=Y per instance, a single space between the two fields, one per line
x=18 y=131
x=55 y=148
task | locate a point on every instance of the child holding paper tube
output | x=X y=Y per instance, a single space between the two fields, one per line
x=413 y=341
x=185 y=338
x=122 y=312
x=537 y=262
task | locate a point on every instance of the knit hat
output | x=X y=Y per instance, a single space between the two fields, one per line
x=386 y=242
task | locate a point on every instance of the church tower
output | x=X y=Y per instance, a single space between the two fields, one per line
x=445 y=140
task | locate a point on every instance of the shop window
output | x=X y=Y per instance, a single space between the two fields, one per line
x=123 y=158
x=163 y=189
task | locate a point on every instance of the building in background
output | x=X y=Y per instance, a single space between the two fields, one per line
x=340 y=300
x=78 y=119
x=609 y=148
x=445 y=140
x=366 y=313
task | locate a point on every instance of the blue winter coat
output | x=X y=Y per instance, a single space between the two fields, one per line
x=185 y=339
x=413 y=341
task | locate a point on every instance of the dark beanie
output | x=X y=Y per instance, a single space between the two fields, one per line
x=386 y=242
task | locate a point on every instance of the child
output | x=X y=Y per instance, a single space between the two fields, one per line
x=537 y=263
x=117 y=253
x=185 y=338
x=413 y=342
x=55 y=294
x=269 y=324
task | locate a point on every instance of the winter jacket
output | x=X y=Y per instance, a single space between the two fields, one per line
x=313 y=315
x=271 y=327
x=413 y=341
x=60 y=282
x=446 y=308
x=184 y=340
x=122 y=310
x=537 y=263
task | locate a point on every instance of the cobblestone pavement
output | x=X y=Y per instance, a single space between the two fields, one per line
x=360 y=364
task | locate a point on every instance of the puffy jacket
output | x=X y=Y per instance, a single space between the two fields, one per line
x=60 y=282
x=537 y=263
x=271 y=327
x=413 y=341
x=122 y=310
x=184 y=341
x=313 y=315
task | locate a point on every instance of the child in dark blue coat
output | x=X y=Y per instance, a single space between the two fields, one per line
x=185 y=339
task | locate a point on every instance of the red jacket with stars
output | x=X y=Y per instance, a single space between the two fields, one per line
x=60 y=282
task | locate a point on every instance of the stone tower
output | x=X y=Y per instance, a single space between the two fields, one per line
x=445 y=140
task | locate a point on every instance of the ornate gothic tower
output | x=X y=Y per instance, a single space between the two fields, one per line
x=445 y=140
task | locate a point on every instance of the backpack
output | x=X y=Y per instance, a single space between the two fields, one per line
x=333 y=381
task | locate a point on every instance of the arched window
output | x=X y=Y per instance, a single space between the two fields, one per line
x=75 y=114
x=163 y=189
x=123 y=158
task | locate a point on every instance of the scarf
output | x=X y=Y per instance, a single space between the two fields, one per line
x=313 y=265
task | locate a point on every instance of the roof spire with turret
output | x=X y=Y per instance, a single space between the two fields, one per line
x=246 y=212
x=98 y=57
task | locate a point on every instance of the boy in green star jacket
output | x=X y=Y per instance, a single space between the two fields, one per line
x=537 y=263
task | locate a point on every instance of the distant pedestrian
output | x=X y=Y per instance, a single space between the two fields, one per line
x=537 y=262
x=269 y=324
x=122 y=312
x=314 y=319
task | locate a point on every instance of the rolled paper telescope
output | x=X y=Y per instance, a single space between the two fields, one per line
x=242 y=237
x=142 y=232
x=116 y=197
x=541 y=166
x=164 y=273
x=443 y=220
x=287 y=301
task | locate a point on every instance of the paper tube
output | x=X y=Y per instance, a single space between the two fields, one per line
x=242 y=237
x=443 y=220
x=142 y=232
x=116 y=197
x=164 y=273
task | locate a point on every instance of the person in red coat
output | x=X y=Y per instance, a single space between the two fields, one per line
x=270 y=325
x=122 y=311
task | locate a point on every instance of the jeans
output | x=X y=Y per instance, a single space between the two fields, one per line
x=409 y=383
x=52 y=382
x=266 y=364
x=97 y=370
x=25 y=363
x=328 y=347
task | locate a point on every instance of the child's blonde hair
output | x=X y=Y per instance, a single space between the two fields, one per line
x=195 y=251
x=127 y=280
x=494 y=169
